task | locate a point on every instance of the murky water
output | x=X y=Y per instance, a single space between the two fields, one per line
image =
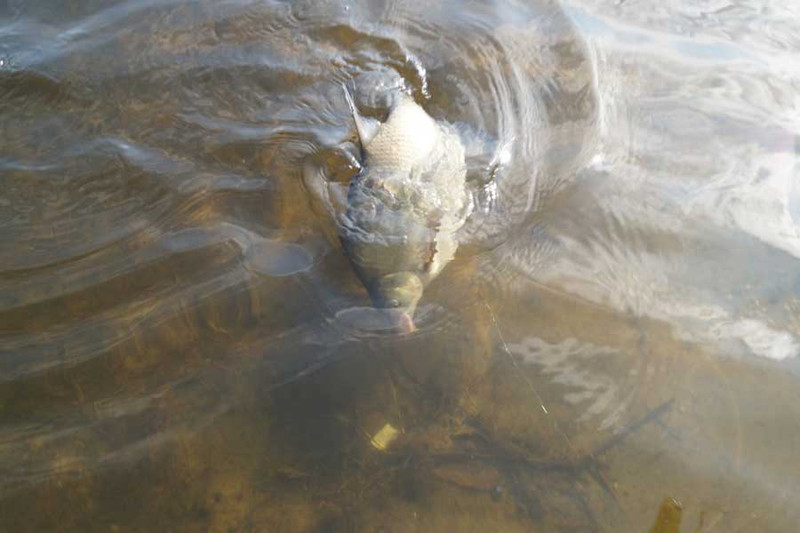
x=184 y=346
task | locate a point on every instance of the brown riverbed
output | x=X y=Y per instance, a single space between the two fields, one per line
x=184 y=347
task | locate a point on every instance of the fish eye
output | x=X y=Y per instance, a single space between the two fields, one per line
x=394 y=303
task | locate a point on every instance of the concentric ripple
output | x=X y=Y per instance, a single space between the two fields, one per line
x=166 y=272
x=152 y=211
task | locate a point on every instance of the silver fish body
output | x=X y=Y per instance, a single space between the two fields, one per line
x=404 y=210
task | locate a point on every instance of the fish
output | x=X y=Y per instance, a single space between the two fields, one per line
x=403 y=210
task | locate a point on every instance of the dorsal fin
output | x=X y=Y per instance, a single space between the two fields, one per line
x=366 y=128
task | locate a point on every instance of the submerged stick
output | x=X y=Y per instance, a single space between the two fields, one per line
x=631 y=428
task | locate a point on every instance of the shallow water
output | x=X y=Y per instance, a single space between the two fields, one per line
x=184 y=346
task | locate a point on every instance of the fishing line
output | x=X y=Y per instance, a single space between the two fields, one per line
x=521 y=373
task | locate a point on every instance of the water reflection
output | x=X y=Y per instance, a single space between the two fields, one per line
x=181 y=332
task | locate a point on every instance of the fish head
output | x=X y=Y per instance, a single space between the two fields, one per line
x=397 y=294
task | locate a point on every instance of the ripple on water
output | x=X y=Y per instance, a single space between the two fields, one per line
x=163 y=269
x=152 y=179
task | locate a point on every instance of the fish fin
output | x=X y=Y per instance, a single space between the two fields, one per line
x=433 y=248
x=278 y=259
x=430 y=258
x=366 y=127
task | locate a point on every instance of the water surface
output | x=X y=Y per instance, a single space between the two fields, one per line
x=184 y=346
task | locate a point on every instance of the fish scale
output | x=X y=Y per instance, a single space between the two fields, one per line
x=404 y=140
x=404 y=210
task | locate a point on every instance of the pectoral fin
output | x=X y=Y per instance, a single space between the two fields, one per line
x=366 y=127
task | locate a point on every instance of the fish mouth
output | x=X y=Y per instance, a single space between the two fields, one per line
x=400 y=321
x=405 y=323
